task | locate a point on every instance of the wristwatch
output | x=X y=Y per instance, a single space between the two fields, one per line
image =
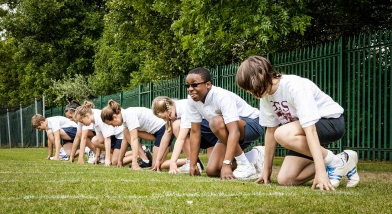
x=227 y=162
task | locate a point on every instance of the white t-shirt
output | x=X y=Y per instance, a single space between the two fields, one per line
x=181 y=106
x=59 y=122
x=142 y=119
x=83 y=127
x=105 y=129
x=220 y=102
x=300 y=99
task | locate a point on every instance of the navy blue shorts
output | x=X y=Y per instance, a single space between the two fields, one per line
x=159 y=134
x=208 y=138
x=329 y=130
x=71 y=132
x=252 y=131
x=116 y=143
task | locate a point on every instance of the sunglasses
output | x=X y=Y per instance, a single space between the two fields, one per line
x=194 y=85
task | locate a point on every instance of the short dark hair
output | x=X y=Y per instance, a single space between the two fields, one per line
x=204 y=73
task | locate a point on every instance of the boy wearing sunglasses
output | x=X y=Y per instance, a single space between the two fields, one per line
x=234 y=122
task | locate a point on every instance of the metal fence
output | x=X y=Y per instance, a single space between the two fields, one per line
x=355 y=71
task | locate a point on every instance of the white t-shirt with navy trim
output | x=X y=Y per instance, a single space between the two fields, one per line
x=300 y=99
x=142 y=119
x=220 y=102
x=59 y=122
x=105 y=129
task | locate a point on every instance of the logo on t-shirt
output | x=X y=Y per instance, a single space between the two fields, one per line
x=283 y=111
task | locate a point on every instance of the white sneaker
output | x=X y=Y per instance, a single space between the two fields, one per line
x=186 y=167
x=335 y=174
x=352 y=174
x=245 y=171
x=259 y=164
x=91 y=157
x=62 y=157
x=102 y=158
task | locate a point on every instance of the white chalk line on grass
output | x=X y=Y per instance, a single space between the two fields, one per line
x=166 y=195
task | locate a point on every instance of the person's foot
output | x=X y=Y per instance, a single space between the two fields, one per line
x=148 y=154
x=259 y=164
x=143 y=164
x=186 y=167
x=352 y=174
x=245 y=171
x=91 y=157
x=102 y=158
x=335 y=173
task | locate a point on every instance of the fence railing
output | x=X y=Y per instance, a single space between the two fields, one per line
x=355 y=71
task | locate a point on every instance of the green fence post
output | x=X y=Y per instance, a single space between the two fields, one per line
x=21 y=125
x=9 y=127
x=121 y=98
x=340 y=81
x=140 y=96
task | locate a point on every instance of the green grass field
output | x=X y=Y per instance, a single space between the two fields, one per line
x=30 y=184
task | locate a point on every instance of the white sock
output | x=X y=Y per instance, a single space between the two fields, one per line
x=252 y=155
x=242 y=158
x=147 y=161
x=332 y=160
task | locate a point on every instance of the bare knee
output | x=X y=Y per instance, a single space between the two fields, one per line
x=284 y=180
x=216 y=123
x=212 y=172
x=282 y=136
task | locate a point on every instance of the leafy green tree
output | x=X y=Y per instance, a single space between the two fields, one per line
x=55 y=40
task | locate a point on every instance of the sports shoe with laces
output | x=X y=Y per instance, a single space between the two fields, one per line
x=143 y=164
x=91 y=157
x=335 y=174
x=245 y=171
x=102 y=158
x=186 y=167
x=259 y=164
x=352 y=174
x=148 y=153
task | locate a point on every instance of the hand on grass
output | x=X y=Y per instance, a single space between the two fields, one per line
x=156 y=167
x=173 y=168
x=265 y=177
x=107 y=162
x=227 y=173
x=80 y=160
x=194 y=171
x=119 y=164
x=96 y=160
x=323 y=182
x=135 y=166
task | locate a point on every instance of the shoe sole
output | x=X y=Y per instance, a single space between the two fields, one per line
x=354 y=157
x=260 y=150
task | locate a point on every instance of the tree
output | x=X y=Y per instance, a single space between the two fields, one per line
x=55 y=40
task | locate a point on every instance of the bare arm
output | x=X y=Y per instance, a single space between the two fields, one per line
x=75 y=145
x=195 y=147
x=178 y=145
x=82 y=146
x=231 y=149
x=162 y=148
x=108 y=143
x=270 y=147
x=57 y=144
x=135 y=148
x=321 y=177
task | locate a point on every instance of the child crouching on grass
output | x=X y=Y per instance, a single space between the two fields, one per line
x=174 y=113
x=56 y=128
x=311 y=120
